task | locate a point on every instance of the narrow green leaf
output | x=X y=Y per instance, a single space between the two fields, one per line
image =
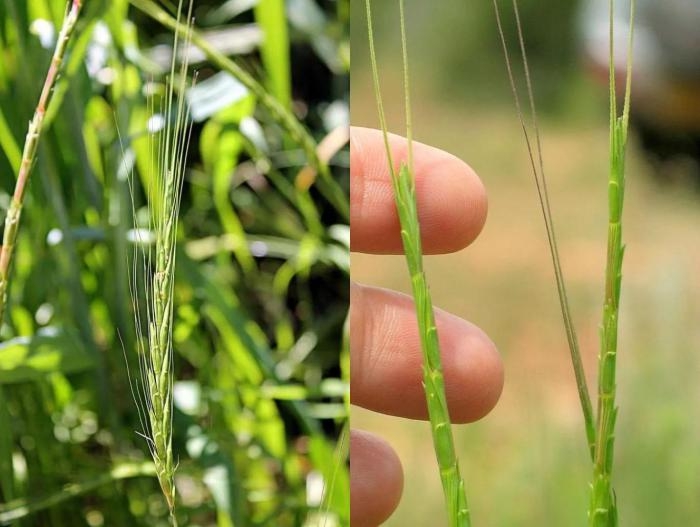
x=221 y=143
x=332 y=463
x=7 y=475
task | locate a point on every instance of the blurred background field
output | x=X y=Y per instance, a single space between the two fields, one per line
x=526 y=463
x=261 y=288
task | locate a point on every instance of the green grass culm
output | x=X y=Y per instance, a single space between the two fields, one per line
x=31 y=144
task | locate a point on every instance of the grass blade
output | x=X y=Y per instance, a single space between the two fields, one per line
x=274 y=51
x=21 y=508
x=9 y=145
x=7 y=472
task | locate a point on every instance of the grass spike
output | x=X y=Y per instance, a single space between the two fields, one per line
x=168 y=150
x=600 y=434
x=433 y=379
x=603 y=507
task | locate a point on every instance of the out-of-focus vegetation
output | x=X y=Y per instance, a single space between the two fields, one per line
x=261 y=283
x=527 y=463
x=463 y=60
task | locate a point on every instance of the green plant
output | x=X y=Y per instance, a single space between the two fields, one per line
x=327 y=185
x=600 y=434
x=31 y=143
x=531 y=452
x=169 y=150
x=603 y=508
x=257 y=393
x=403 y=181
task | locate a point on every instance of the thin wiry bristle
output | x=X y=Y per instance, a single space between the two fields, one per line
x=534 y=149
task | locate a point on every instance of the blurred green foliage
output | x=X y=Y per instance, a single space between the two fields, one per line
x=261 y=293
x=455 y=45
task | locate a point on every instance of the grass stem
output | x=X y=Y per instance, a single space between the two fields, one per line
x=30 y=149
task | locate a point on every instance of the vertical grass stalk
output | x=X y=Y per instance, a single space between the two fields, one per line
x=29 y=153
x=403 y=182
x=603 y=508
x=168 y=153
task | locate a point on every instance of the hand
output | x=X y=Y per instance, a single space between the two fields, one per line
x=386 y=359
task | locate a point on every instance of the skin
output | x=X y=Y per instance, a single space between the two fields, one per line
x=386 y=358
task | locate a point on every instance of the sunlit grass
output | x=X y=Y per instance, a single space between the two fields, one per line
x=249 y=381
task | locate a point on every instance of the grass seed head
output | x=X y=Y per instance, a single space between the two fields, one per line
x=169 y=144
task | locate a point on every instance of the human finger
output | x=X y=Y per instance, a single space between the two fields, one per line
x=451 y=199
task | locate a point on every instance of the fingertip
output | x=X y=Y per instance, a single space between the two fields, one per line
x=387 y=359
x=452 y=203
x=474 y=362
x=376 y=479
